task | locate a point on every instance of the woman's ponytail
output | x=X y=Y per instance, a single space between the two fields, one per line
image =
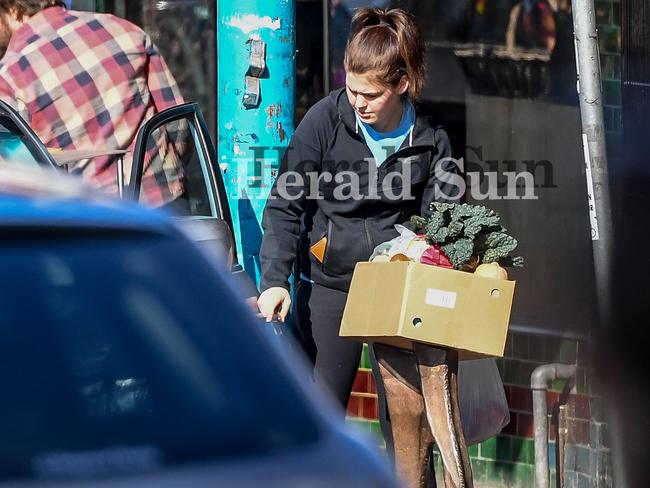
x=389 y=45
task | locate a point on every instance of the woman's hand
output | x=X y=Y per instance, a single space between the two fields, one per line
x=273 y=299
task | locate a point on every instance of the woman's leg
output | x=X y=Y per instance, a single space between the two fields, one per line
x=317 y=318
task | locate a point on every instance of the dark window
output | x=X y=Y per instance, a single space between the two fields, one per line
x=110 y=345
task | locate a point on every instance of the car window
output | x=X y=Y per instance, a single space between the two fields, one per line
x=174 y=156
x=123 y=351
x=15 y=148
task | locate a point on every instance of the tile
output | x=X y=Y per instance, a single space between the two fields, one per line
x=511 y=426
x=537 y=348
x=584 y=481
x=479 y=470
x=375 y=428
x=581 y=405
x=365 y=358
x=522 y=450
x=571 y=479
x=581 y=381
x=500 y=473
x=520 y=399
x=570 y=457
x=525 y=425
x=578 y=432
x=360 y=382
x=553 y=346
x=598 y=435
x=510 y=375
x=524 y=475
x=582 y=459
x=488 y=449
x=568 y=351
x=372 y=385
x=552 y=398
x=369 y=408
x=357 y=424
x=525 y=370
x=353 y=406
x=500 y=362
x=596 y=408
x=473 y=450
x=504 y=448
x=520 y=346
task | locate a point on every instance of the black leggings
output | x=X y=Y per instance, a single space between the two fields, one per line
x=317 y=315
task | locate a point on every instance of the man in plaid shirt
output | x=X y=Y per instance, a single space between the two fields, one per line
x=88 y=81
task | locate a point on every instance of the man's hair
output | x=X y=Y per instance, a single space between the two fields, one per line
x=27 y=8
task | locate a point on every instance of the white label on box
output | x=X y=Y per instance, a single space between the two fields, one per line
x=440 y=298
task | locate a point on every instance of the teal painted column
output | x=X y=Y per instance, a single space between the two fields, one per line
x=251 y=141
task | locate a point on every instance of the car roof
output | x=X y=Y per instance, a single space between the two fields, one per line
x=44 y=199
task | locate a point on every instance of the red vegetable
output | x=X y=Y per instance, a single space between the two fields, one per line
x=435 y=257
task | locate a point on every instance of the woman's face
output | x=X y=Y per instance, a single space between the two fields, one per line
x=377 y=105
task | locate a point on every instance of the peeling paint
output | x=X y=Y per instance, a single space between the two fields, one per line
x=273 y=110
x=248 y=23
x=281 y=133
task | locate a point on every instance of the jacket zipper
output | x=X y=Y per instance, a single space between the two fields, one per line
x=368 y=238
x=327 y=243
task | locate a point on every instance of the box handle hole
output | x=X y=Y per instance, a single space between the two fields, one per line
x=417 y=322
x=496 y=293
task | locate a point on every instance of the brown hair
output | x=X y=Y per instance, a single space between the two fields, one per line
x=27 y=8
x=388 y=44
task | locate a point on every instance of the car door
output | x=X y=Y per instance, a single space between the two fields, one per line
x=19 y=145
x=188 y=162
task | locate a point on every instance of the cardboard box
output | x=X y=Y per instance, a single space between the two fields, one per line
x=397 y=303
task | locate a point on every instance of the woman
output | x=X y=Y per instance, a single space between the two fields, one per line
x=362 y=160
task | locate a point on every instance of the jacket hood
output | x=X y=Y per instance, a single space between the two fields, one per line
x=424 y=130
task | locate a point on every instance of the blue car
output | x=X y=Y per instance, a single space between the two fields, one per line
x=126 y=359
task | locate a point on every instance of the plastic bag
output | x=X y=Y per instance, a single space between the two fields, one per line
x=396 y=245
x=482 y=400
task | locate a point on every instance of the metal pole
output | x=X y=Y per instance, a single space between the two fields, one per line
x=256 y=85
x=593 y=137
x=539 y=380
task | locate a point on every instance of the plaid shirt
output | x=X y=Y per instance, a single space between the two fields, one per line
x=88 y=81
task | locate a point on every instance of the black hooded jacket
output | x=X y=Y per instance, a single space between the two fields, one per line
x=329 y=146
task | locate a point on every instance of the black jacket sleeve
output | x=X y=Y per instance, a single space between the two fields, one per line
x=285 y=205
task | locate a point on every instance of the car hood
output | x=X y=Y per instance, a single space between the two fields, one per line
x=337 y=460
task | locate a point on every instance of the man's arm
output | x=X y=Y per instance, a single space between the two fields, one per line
x=161 y=83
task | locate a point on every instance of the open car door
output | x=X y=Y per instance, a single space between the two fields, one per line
x=19 y=145
x=188 y=161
